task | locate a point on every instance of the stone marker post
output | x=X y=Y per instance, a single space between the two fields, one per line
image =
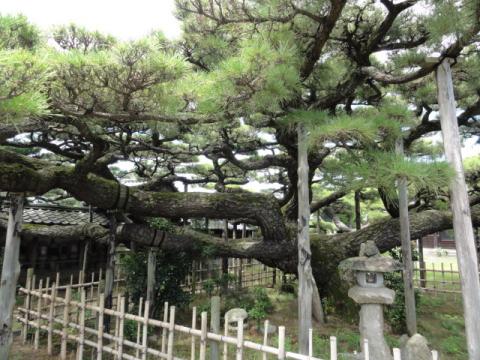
x=214 y=325
x=372 y=295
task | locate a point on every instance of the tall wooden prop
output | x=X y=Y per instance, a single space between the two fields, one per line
x=10 y=273
x=151 y=267
x=411 y=316
x=110 y=270
x=305 y=284
x=462 y=221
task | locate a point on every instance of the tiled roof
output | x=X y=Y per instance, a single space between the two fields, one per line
x=51 y=215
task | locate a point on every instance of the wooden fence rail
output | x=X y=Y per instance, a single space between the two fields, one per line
x=77 y=324
x=437 y=277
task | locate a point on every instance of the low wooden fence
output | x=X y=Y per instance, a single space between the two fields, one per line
x=72 y=323
x=437 y=277
x=242 y=274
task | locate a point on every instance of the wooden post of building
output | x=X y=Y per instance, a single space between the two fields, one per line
x=10 y=272
x=462 y=221
x=410 y=309
x=305 y=283
x=151 y=268
x=358 y=211
x=225 y=258
x=110 y=270
x=421 y=262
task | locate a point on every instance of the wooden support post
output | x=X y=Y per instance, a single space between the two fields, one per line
x=410 y=308
x=66 y=318
x=203 y=336
x=36 y=341
x=194 y=326
x=151 y=268
x=462 y=221
x=171 y=333
x=305 y=284
x=10 y=272
x=225 y=259
x=51 y=314
x=214 y=325
x=194 y=277
x=358 y=211
x=110 y=270
x=27 y=302
x=146 y=313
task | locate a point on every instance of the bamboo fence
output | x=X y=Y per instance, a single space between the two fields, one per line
x=72 y=316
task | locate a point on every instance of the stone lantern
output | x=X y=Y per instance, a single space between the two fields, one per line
x=370 y=292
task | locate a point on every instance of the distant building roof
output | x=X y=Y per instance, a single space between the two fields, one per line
x=59 y=215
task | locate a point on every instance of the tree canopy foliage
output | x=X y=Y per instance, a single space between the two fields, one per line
x=82 y=113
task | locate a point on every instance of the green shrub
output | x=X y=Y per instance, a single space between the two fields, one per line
x=171 y=270
x=395 y=313
x=261 y=306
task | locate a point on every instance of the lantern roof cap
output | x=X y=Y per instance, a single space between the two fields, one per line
x=370 y=260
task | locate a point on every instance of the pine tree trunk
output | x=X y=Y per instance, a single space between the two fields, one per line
x=10 y=272
x=411 y=316
x=462 y=222
x=305 y=283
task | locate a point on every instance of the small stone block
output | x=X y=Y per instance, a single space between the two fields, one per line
x=235 y=315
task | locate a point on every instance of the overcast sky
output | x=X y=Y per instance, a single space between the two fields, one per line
x=122 y=18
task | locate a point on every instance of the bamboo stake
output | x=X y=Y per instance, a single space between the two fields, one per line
x=36 y=341
x=164 y=330
x=81 y=333
x=265 y=337
x=139 y=329
x=225 y=345
x=101 y=305
x=240 y=339
x=51 y=314
x=120 y=328
x=145 y=330
x=333 y=348
x=310 y=343
x=366 y=349
x=397 y=355
x=194 y=325
x=203 y=337
x=27 y=303
x=171 y=333
x=281 y=342
x=434 y=355
x=66 y=315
